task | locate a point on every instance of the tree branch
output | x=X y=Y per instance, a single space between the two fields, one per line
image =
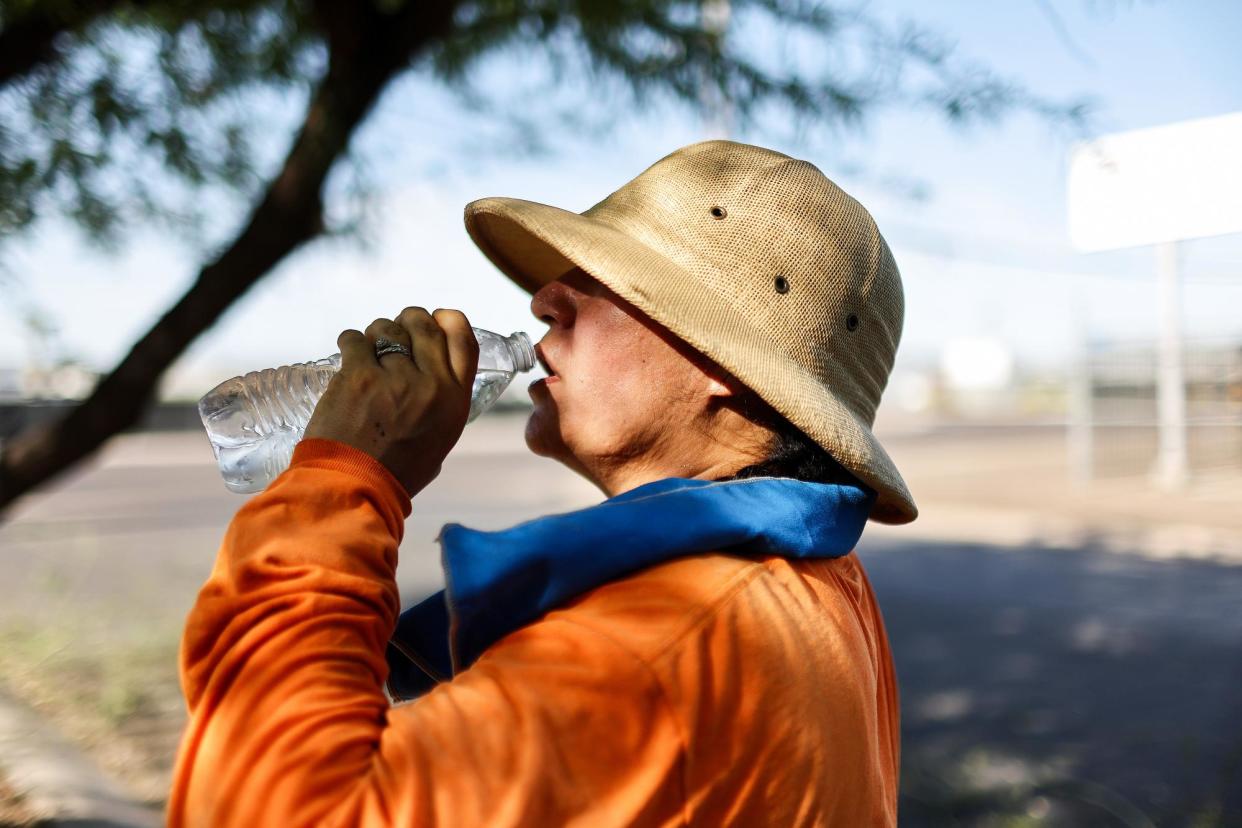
x=362 y=61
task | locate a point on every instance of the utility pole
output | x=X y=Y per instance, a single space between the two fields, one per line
x=714 y=16
x=1171 y=469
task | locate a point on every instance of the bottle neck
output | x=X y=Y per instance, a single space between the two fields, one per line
x=522 y=349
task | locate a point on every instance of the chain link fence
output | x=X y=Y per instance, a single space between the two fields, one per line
x=1120 y=410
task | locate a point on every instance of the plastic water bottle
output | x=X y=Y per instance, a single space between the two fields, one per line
x=255 y=421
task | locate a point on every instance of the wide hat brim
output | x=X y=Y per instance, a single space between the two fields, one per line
x=534 y=244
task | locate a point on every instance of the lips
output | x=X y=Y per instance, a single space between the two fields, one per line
x=543 y=360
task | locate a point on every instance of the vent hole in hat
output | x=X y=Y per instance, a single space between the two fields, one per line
x=719 y=212
x=851 y=322
x=782 y=284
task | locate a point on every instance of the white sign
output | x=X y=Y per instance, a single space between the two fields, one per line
x=1163 y=184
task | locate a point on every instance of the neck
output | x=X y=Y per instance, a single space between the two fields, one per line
x=704 y=460
x=631 y=478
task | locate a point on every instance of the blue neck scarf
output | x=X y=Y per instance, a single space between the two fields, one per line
x=497 y=582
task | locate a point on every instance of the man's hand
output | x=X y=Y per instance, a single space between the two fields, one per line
x=406 y=412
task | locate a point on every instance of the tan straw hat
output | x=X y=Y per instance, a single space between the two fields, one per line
x=756 y=260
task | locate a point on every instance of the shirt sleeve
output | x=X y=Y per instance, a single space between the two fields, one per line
x=283 y=668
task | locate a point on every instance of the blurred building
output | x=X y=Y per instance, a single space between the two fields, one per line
x=10 y=384
x=63 y=381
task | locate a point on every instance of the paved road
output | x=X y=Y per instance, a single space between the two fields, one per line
x=1073 y=686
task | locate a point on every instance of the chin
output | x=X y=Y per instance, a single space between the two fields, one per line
x=537 y=434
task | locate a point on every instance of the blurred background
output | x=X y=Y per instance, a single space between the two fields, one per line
x=189 y=191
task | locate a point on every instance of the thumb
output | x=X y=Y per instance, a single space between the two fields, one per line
x=463 y=347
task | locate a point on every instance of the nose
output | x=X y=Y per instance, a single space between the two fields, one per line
x=554 y=305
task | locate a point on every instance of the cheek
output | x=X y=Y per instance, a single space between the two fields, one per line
x=620 y=381
x=617 y=401
x=601 y=395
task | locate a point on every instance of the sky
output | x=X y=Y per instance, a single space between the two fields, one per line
x=985 y=256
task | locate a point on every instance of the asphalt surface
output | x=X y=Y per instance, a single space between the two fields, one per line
x=1045 y=683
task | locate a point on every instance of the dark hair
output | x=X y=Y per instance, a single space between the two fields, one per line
x=790 y=453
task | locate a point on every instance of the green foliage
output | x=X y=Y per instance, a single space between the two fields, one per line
x=140 y=107
x=814 y=64
x=138 y=110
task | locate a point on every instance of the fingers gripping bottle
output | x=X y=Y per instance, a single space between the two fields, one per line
x=254 y=421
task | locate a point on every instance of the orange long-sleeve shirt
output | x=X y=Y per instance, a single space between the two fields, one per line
x=709 y=690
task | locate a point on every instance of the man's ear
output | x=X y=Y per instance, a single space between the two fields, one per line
x=718 y=388
x=720 y=383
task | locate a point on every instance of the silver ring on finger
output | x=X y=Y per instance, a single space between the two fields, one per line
x=384 y=347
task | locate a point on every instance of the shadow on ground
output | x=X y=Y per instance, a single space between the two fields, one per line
x=1081 y=687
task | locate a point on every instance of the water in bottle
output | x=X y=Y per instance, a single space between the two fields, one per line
x=254 y=421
